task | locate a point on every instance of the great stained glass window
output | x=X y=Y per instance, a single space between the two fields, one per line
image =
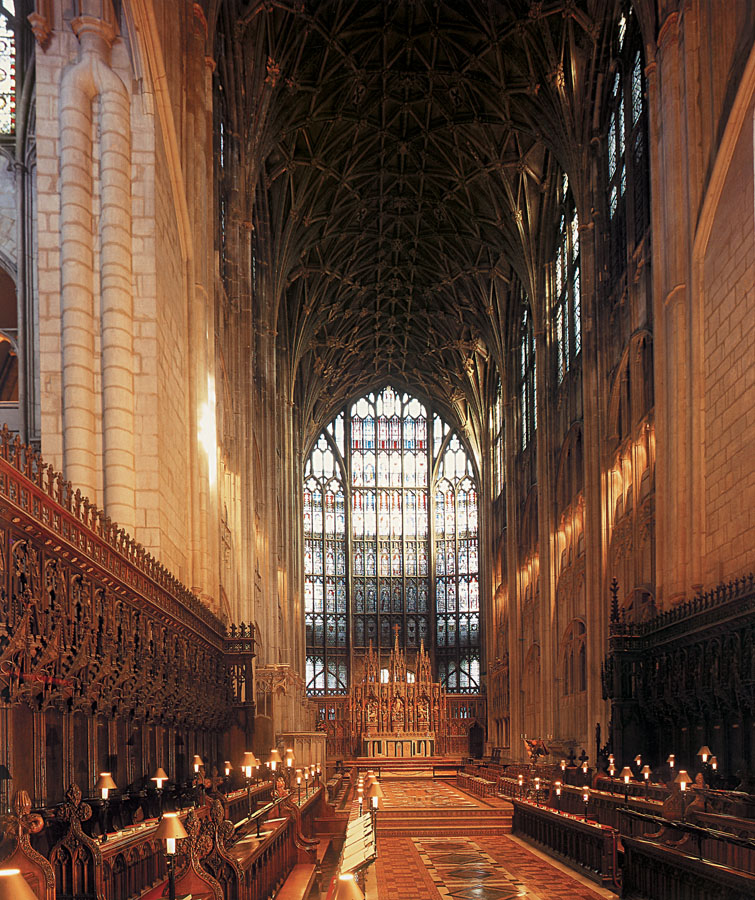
x=390 y=468
x=7 y=68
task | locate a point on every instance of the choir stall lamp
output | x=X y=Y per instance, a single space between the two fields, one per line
x=638 y=760
x=521 y=785
x=646 y=775
x=671 y=763
x=626 y=776
x=611 y=773
x=586 y=798
x=558 y=795
x=306 y=782
x=704 y=754
x=375 y=795
x=347 y=888
x=13 y=886
x=289 y=758
x=197 y=763
x=227 y=768
x=683 y=779
x=537 y=791
x=170 y=830
x=160 y=777
x=585 y=768
x=298 y=785
x=104 y=785
x=248 y=762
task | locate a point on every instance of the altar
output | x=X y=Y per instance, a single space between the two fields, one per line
x=400 y=713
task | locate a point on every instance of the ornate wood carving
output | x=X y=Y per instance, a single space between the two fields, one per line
x=76 y=859
x=16 y=851
x=690 y=665
x=92 y=622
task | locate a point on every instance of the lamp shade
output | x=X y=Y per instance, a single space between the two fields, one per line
x=170 y=827
x=646 y=772
x=160 y=775
x=197 y=762
x=249 y=761
x=275 y=757
x=683 y=779
x=347 y=888
x=374 y=790
x=671 y=759
x=105 y=783
x=13 y=886
x=713 y=763
x=626 y=774
x=170 y=830
x=704 y=753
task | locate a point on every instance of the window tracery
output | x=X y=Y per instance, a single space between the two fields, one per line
x=375 y=479
x=527 y=380
x=567 y=309
x=628 y=181
x=7 y=68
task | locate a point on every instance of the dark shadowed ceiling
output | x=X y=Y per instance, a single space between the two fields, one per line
x=402 y=159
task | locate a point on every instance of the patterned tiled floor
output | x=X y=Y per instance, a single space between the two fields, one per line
x=424 y=793
x=469 y=868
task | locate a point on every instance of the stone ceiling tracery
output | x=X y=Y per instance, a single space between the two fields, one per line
x=406 y=156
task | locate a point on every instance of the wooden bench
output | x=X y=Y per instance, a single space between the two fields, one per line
x=299 y=883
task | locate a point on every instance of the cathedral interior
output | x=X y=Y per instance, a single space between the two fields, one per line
x=377 y=485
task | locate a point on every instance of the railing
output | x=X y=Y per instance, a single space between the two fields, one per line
x=588 y=845
x=666 y=873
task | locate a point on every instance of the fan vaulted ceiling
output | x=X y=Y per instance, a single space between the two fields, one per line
x=400 y=161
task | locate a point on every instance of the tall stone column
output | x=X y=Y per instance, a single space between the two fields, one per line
x=674 y=384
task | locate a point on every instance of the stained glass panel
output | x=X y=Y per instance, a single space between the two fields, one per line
x=387 y=471
x=7 y=73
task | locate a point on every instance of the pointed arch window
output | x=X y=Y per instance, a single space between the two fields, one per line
x=497 y=448
x=457 y=591
x=628 y=176
x=324 y=513
x=383 y=465
x=567 y=310
x=7 y=68
x=527 y=379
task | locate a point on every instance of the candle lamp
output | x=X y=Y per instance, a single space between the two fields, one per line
x=682 y=779
x=611 y=773
x=227 y=768
x=558 y=795
x=585 y=768
x=626 y=775
x=638 y=760
x=521 y=785
x=537 y=791
x=586 y=798
x=104 y=785
x=197 y=762
x=298 y=785
x=306 y=782
x=704 y=754
x=289 y=758
x=671 y=763
x=249 y=762
x=160 y=777
x=13 y=886
x=375 y=795
x=646 y=775
x=274 y=760
x=171 y=830
x=714 y=763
